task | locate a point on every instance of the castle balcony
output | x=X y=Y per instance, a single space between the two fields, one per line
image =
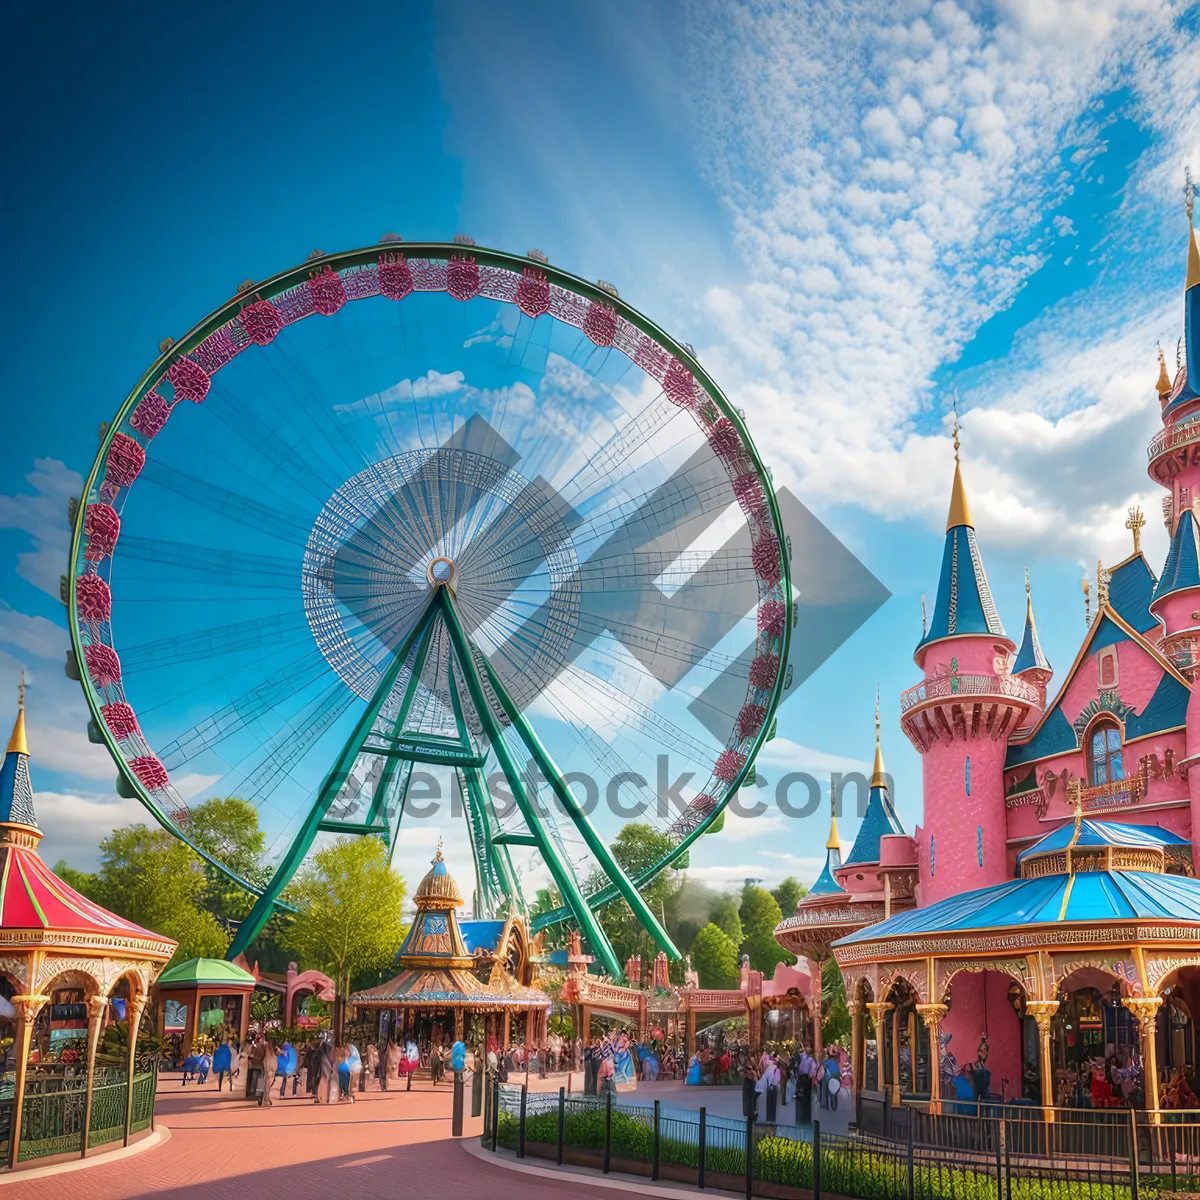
x=1168 y=439
x=950 y=706
x=1120 y=793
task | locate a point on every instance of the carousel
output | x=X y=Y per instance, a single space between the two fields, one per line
x=68 y=970
x=1081 y=977
x=447 y=992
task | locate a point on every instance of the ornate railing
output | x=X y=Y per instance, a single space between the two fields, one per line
x=944 y=686
x=1173 y=436
x=1116 y=794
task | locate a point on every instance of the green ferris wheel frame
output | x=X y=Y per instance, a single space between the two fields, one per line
x=490 y=846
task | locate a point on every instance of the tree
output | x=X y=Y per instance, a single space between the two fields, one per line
x=725 y=914
x=349 y=917
x=788 y=894
x=227 y=828
x=760 y=913
x=715 y=957
x=835 y=1015
x=81 y=881
x=150 y=877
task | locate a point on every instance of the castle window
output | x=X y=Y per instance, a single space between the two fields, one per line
x=1104 y=753
x=1107 y=662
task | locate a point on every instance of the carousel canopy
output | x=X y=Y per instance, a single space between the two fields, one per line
x=436 y=961
x=1103 y=833
x=32 y=897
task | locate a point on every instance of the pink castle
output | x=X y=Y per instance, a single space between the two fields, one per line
x=1044 y=915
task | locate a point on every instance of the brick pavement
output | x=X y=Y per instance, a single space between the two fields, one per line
x=393 y=1144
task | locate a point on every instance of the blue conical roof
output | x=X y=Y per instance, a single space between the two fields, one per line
x=1182 y=569
x=964 y=599
x=16 y=790
x=826 y=884
x=1187 y=384
x=1030 y=656
x=1131 y=587
x=879 y=821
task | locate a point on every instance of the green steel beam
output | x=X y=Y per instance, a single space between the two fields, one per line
x=252 y=926
x=352 y=827
x=514 y=839
x=568 y=887
x=580 y=819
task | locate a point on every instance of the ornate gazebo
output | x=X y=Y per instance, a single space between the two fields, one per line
x=440 y=977
x=66 y=966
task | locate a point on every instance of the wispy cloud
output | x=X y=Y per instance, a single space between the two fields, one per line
x=425 y=387
x=42 y=513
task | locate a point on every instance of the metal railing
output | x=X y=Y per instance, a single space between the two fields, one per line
x=940 y=687
x=997 y=1152
x=1172 y=436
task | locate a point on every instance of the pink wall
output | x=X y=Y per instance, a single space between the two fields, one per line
x=1175 y=611
x=969 y=1016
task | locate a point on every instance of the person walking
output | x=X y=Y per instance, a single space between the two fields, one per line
x=222 y=1064
x=606 y=1074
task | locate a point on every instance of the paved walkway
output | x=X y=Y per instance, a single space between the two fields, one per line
x=383 y=1144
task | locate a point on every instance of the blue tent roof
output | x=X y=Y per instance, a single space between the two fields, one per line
x=481 y=935
x=1182 y=568
x=879 y=820
x=1030 y=655
x=1130 y=590
x=964 y=600
x=1104 y=833
x=1091 y=896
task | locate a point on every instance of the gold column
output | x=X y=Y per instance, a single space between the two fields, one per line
x=857 y=1046
x=458 y=1024
x=932 y=1015
x=133 y=1016
x=96 y=1008
x=1145 y=1012
x=894 y=1047
x=878 y=1008
x=1042 y=1011
x=817 y=1019
x=27 y=1008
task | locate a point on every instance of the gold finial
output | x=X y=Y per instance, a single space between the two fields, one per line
x=1087 y=601
x=1193 y=267
x=1075 y=803
x=437 y=858
x=924 y=618
x=1101 y=586
x=1164 y=379
x=960 y=513
x=1135 y=523
x=878 y=774
x=834 y=842
x=1028 y=599
x=18 y=743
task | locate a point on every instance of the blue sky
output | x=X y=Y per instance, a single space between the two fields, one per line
x=852 y=211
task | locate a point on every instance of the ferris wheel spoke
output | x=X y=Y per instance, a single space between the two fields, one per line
x=172 y=651
x=206 y=560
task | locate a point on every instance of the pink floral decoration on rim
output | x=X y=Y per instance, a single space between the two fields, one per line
x=533 y=292
x=150 y=415
x=462 y=277
x=679 y=385
x=395 y=278
x=751 y=719
x=189 y=379
x=728 y=765
x=150 y=772
x=327 y=291
x=120 y=719
x=703 y=803
x=125 y=460
x=763 y=671
x=93 y=599
x=765 y=557
x=749 y=492
x=101 y=528
x=600 y=324
x=725 y=440
x=261 y=322
x=772 y=614
x=103 y=665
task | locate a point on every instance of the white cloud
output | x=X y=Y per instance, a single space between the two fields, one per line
x=892 y=174
x=42 y=513
x=38 y=636
x=75 y=824
x=425 y=387
x=787 y=755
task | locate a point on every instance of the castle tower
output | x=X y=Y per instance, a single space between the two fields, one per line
x=1175 y=464
x=1031 y=663
x=961 y=717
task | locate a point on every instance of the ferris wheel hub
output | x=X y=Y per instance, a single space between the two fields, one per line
x=441 y=572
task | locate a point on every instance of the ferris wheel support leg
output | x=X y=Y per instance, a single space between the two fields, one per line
x=252 y=926
x=561 y=873
x=498 y=856
x=582 y=822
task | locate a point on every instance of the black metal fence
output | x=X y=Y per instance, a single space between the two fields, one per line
x=1002 y=1154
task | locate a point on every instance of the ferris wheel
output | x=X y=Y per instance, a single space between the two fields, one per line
x=433 y=508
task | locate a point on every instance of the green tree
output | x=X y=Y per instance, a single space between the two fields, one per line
x=724 y=913
x=788 y=894
x=227 y=828
x=760 y=913
x=715 y=957
x=835 y=1016
x=81 y=881
x=349 y=917
x=151 y=878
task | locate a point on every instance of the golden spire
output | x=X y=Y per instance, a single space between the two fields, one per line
x=1164 y=379
x=1193 y=267
x=1135 y=523
x=878 y=775
x=834 y=842
x=17 y=742
x=960 y=514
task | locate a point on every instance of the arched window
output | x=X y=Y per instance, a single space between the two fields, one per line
x=1104 y=753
